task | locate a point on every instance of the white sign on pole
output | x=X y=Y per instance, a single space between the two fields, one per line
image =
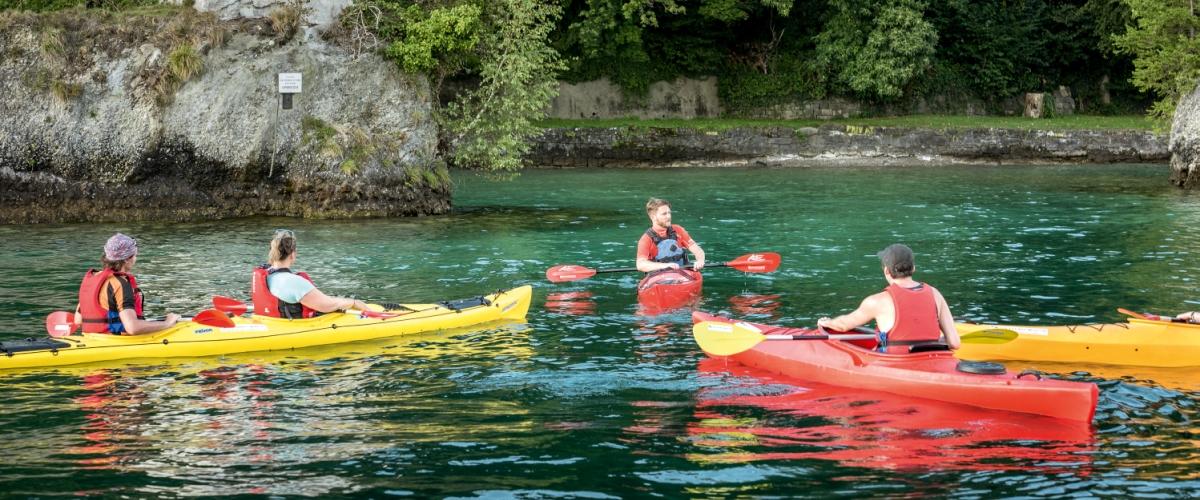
x=290 y=83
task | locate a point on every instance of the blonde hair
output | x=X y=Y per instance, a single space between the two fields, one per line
x=654 y=203
x=283 y=245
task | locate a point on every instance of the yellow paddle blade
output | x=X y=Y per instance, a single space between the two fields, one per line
x=990 y=336
x=725 y=339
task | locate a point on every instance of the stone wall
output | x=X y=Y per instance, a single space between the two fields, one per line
x=837 y=144
x=682 y=98
x=692 y=98
x=97 y=138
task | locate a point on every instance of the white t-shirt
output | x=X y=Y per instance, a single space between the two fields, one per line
x=288 y=287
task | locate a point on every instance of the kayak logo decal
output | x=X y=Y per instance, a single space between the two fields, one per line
x=201 y=331
x=568 y=269
x=1024 y=330
x=756 y=257
x=509 y=306
x=747 y=326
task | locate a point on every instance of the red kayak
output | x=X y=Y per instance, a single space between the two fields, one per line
x=670 y=289
x=739 y=421
x=933 y=375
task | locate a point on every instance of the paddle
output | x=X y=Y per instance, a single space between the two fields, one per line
x=229 y=305
x=237 y=308
x=764 y=262
x=62 y=323
x=726 y=339
x=1150 y=317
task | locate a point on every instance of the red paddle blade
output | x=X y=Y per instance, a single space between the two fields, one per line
x=569 y=272
x=764 y=262
x=214 y=318
x=60 y=324
x=229 y=305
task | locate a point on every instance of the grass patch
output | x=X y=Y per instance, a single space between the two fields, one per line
x=1073 y=122
x=184 y=63
x=52 y=44
x=64 y=91
x=285 y=21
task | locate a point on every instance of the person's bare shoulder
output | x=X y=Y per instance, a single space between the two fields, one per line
x=875 y=301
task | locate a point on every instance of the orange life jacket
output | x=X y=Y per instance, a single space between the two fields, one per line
x=97 y=319
x=267 y=304
x=916 y=318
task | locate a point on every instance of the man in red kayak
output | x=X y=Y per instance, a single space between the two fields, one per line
x=110 y=300
x=662 y=246
x=907 y=312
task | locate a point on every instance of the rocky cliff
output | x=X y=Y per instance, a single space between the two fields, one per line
x=1185 y=142
x=176 y=114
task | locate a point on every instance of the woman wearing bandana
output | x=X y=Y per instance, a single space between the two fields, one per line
x=110 y=300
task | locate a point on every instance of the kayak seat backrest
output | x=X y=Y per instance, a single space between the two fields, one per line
x=981 y=367
x=460 y=304
x=928 y=348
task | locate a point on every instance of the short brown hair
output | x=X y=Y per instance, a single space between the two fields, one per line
x=898 y=259
x=654 y=203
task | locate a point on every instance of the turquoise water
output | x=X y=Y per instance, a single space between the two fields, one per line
x=590 y=398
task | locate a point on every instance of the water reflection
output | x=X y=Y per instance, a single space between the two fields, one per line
x=756 y=306
x=571 y=303
x=755 y=416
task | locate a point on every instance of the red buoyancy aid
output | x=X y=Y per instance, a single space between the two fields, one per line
x=96 y=318
x=916 y=317
x=267 y=304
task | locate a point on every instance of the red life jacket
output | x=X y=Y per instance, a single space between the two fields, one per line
x=96 y=319
x=916 y=318
x=267 y=304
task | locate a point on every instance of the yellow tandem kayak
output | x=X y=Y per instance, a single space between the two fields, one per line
x=1139 y=342
x=260 y=333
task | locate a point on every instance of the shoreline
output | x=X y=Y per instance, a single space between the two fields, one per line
x=838 y=144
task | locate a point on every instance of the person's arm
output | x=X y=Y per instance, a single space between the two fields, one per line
x=135 y=326
x=317 y=300
x=648 y=266
x=698 y=253
x=946 y=322
x=854 y=319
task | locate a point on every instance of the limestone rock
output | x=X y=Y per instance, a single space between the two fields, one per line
x=1185 y=142
x=94 y=144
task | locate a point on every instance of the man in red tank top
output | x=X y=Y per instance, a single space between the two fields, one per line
x=906 y=313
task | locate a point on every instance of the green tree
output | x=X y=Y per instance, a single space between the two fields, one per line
x=1165 y=49
x=490 y=125
x=500 y=48
x=876 y=48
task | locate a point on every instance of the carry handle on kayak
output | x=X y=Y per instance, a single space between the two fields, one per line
x=761 y=262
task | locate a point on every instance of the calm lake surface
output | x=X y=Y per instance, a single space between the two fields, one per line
x=591 y=398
